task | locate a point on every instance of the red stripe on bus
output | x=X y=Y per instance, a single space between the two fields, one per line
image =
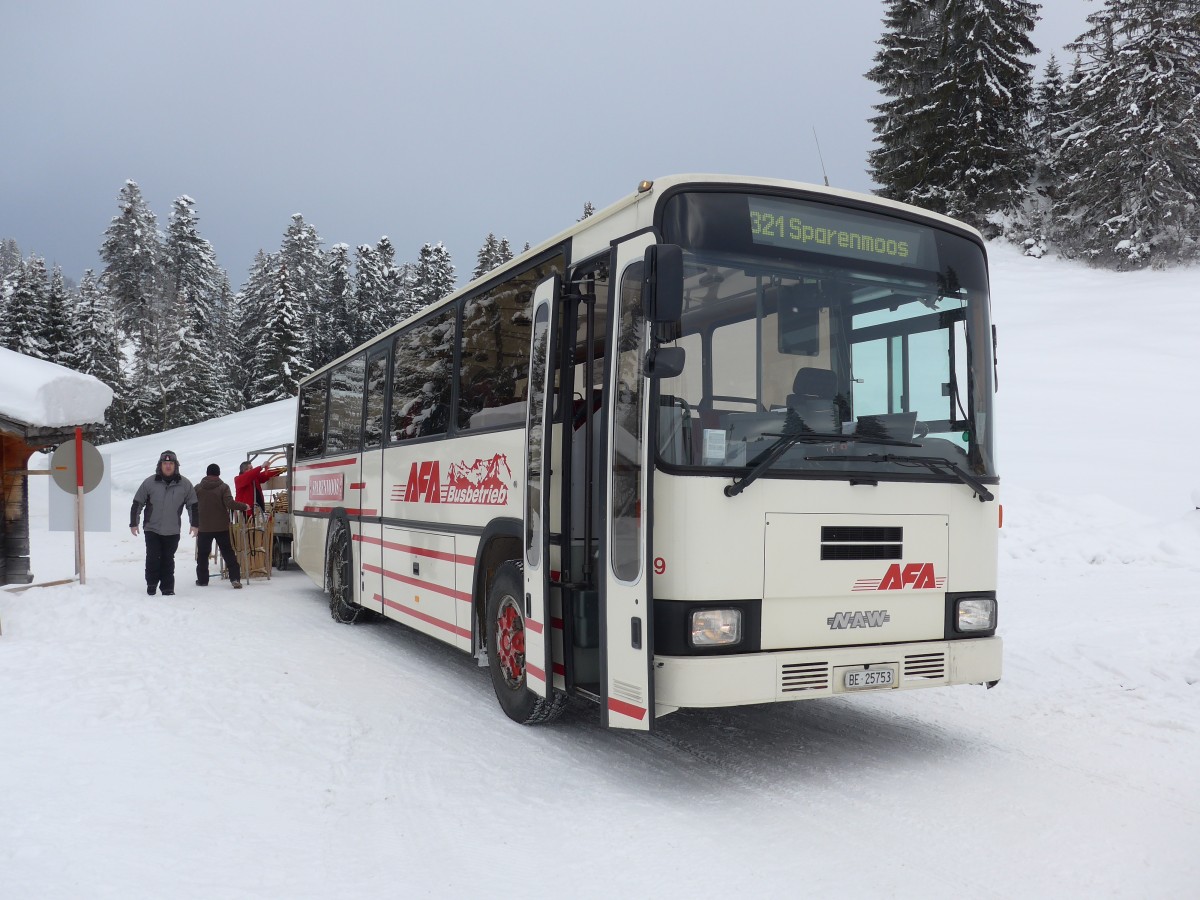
x=626 y=709
x=349 y=512
x=534 y=626
x=418 y=551
x=438 y=623
x=559 y=669
x=357 y=485
x=326 y=465
x=297 y=488
x=556 y=623
x=417 y=583
x=535 y=672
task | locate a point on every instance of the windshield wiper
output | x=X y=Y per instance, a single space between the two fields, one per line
x=933 y=463
x=789 y=439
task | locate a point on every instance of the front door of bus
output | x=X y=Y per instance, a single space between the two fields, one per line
x=625 y=616
x=538 y=471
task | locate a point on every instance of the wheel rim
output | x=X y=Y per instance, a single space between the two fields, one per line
x=510 y=642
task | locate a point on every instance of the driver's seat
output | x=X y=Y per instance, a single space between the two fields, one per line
x=814 y=400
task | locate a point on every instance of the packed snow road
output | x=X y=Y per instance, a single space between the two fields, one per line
x=231 y=744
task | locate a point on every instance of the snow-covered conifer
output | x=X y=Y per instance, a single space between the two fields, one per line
x=304 y=262
x=24 y=316
x=370 y=287
x=131 y=251
x=1131 y=155
x=434 y=276
x=281 y=351
x=953 y=135
x=339 y=328
x=488 y=256
x=57 y=318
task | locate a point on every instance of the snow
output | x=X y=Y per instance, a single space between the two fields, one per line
x=223 y=744
x=44 y=394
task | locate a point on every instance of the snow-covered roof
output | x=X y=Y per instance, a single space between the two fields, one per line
x=47 y=395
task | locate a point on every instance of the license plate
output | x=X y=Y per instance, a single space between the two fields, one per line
x=869 y=678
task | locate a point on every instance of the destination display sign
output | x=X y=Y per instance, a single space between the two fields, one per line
x=820 y=229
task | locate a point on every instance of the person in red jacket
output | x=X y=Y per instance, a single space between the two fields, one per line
x=249 y=482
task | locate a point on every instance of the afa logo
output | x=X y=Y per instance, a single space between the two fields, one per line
x=482 y=483
x=911 y=576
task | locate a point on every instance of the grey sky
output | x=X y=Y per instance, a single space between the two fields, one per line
x=422 y=121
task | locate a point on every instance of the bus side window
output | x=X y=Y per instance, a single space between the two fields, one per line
x=312 y=419
x=496 y=331
x=345 y=406
x=422 y=369
x=373 y=408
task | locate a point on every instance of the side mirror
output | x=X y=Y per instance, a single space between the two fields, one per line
x=662 y=289
x=665 y=362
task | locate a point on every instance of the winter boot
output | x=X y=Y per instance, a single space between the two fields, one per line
x=237 y=585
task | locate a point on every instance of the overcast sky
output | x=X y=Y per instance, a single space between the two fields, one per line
x=432 y=121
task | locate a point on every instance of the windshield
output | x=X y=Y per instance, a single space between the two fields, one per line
x=815 y=335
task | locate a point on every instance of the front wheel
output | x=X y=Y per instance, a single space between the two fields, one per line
x=506 y=650
x=338 y=574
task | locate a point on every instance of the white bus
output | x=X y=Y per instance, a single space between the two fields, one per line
x=727 y=441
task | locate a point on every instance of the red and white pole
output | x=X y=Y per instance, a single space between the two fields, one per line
x=80 y=567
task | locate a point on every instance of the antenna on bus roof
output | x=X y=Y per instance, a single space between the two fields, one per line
x=820 y=157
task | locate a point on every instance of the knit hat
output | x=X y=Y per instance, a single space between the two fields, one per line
x=214 y=469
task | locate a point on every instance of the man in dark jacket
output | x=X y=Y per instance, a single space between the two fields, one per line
x=164 y=496
x=215 y=504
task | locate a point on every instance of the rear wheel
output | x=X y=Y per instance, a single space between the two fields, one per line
x=338 y=574
x=505 y=622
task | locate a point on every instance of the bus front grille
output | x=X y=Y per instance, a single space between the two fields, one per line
x=925 y=666
x=804 y=677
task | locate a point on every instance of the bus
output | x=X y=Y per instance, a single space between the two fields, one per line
x=727 y=441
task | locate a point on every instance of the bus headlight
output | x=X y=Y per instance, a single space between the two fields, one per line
x=976 y=614
x=716 y=627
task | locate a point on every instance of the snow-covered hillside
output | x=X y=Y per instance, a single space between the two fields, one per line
x=222 y=744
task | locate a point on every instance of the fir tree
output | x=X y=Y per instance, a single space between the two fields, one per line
x=906 y=65
x=253 y=309
x=339 y=325
x=25 y=314
x=227 y=344
x=1131 y=154
x=131 y=252
x=434 y=276
x=57 y=317
x=393 y=285
x=1051 y=115
x=954 y=136
x=281 y=348
x=190 y=277
x=370 y=289
x=10 y=257
x=304 y=262
x=98 y=352
x=488 y=257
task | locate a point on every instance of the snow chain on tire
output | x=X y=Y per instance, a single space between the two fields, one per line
x=340 y=607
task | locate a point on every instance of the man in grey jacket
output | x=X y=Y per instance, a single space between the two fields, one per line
x=164 y=496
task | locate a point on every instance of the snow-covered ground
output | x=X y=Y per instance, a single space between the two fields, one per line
x=223 y=744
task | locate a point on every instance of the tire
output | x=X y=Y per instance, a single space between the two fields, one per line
x=505 y=622
x=338 y=578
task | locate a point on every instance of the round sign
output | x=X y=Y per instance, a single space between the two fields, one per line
x=62 y=467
